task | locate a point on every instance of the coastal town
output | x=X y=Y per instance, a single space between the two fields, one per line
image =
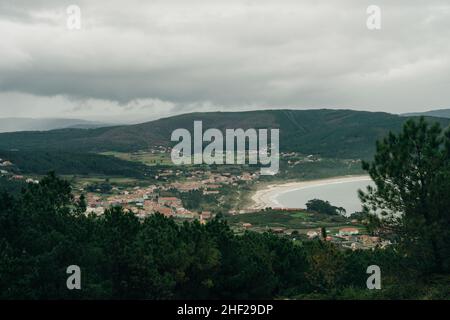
x=147 y=200
x=173 y=189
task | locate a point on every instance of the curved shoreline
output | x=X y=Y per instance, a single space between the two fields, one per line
x=266 y=196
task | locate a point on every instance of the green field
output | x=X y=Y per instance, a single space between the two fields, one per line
x=147 y=158
x=300 y=220
x=83 y=181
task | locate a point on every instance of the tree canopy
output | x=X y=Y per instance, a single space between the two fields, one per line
x=324 y=207
x=411 y=171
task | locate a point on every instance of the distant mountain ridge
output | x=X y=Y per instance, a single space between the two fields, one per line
x=329 y=133
x=440 y=113
x=45 y=124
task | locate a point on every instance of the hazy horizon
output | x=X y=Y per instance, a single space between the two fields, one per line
x=117 y=120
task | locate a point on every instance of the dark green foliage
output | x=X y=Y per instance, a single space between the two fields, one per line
x=329 y=133
x=43 y=231
x=325 y=168
x=11 y=186
x=63 y=162
x=121 y=257
x=323 y=232
x=196 y=200
x=324 y=207
x=101 y=187
x=411 y=171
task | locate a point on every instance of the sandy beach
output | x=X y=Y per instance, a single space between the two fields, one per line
x=265 y=197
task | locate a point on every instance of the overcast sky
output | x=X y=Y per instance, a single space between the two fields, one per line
x=139 y=60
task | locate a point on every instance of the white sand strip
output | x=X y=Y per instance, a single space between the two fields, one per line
x=265 y=197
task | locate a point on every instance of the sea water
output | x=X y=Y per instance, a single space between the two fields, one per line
x=339 y=194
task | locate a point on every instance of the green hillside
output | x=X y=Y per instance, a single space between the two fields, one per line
x=42 y=162
x=44 y=124
x=441 y=113
x=329 y=133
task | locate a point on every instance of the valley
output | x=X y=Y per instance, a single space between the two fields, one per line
x=113 y=166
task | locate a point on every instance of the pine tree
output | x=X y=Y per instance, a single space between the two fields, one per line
x=411 y=197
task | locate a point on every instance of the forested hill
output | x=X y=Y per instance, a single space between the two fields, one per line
x=441 y=113
x=42 y=162
x=44 y=124
x=330 y=133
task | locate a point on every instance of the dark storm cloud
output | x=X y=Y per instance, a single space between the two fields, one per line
x=167 y=57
